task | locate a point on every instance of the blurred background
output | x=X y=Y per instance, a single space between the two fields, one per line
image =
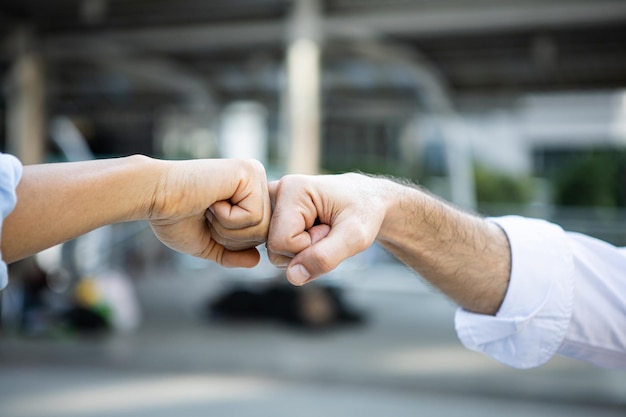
x=500 y=107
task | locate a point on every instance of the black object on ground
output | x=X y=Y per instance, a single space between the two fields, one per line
x=312 y=307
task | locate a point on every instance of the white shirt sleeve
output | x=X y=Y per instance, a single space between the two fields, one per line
x=10 y=174
x=566 y=295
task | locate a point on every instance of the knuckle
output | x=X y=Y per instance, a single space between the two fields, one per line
x=256 y=237
x=257 y=164
x=236 y=247
x=359 y=235
x=277 y=246
x=251 y=219
x=273 y=246
x=219 y=239
x=361 y=238
x=292 y=180
x=257 y=216
x=217 y=236
x=280 y=261
x=253 y=166
x=270 y=245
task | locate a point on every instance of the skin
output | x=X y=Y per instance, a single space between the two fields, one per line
x=58 y=202
x=220 y=210
x=466 y=257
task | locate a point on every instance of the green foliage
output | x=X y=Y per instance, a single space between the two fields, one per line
x=495 y=187
x=592 y=179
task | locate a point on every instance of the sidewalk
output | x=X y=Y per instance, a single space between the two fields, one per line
x=406 y=351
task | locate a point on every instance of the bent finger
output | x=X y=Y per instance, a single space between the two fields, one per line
x=291 y=219
x=278 y=260
x=342 y=242
x=234 y=216
x=252 y=236
x=316 y=233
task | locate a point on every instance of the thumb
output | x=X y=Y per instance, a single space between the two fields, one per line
x=343 y=241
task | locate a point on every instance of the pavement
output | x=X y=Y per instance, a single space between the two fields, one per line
x=404 y=360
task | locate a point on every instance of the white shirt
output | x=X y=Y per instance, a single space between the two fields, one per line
x=566 y=295
x=10 y=174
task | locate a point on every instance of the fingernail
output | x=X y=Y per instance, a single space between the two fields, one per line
x=298 y=274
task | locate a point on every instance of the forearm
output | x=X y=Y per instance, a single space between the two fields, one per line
x=464 y=256
x=57 y=202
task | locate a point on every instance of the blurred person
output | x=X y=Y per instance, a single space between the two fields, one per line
x=526 y=288
x=44 y=205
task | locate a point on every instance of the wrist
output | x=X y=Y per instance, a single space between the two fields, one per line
x=401 y=201
x=147 y=176
x=464 y=256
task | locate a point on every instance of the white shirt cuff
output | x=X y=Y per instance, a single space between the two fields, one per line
x=531 y=323
x=10 y=174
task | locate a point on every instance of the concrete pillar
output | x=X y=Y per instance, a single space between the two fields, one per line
x=243 y=131
x=460 y=163
x=26 y=103
x=303 y=88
